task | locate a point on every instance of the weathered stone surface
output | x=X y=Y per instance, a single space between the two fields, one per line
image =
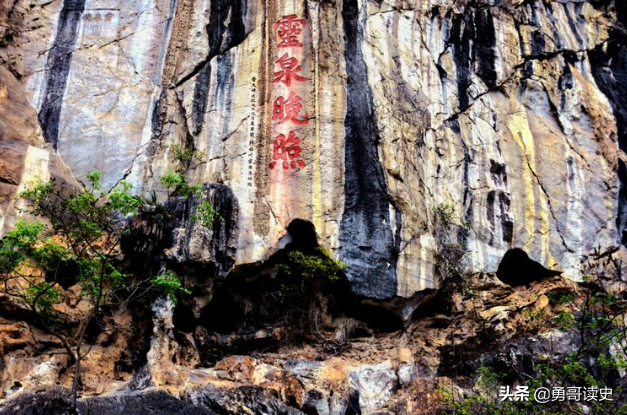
x=163 y=347
x=608 y=64
x=152 y=402
x=244 y=400
x=373 y=385
x=512 y=112
x=397 y=373
x=18 y=119
x=509 y=113
x=57 y=402
x=24 y=159
x=193 y=242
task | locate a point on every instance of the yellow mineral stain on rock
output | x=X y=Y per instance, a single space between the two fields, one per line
x=334 y=370
x=4 y=93
x=316 y=185
x=535 y=210
x=417 y=251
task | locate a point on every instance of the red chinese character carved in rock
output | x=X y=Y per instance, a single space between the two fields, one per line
x=289 y=28
x=289 y=68
x=288 y=110
x=288 y=151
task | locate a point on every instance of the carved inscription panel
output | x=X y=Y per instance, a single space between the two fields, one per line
x=100 y=23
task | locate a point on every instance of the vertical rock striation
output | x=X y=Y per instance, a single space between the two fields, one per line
x=512 y=112
x=609 y=67
x=58 y=68
x=367 y=240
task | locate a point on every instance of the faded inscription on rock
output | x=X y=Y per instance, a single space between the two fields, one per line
x=100 y=23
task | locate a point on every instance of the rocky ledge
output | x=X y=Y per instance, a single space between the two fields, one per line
x=349 y=369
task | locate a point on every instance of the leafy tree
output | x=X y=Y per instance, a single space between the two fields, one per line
x=177 y=185
x=80 y=232
x=169 y=284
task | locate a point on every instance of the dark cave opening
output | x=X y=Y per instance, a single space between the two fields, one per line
x=303 y=235
x=517 y=268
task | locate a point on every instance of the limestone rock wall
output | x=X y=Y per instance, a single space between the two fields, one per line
x=507 y=110
x=24 y=157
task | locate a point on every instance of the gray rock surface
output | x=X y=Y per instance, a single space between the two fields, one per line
x=373 y=385
x=510 y=112
x=57 y=402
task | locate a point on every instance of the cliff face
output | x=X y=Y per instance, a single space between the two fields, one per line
x=387 y=125
x=400 y=373
x=24 y=157
x=362 y=117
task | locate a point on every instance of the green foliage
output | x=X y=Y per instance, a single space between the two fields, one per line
x=43 y=296
x=185 y=156
x=116 y=278
x=171 y=180
x=564 y=320
x=533 y=315
x=87 y=225
x=177 y=185
x=559 y=298
x=485 y=400
x=306 y=287
x=94 y=179
x=595 y=317
x=82 y=233
x=17 y=244
x=604 y=299
x=444 y=214
x=488 y=379
x=609 y=364
x=122 y=201
x=205 y=213
x=25 y=248
x=320 y=266
x=84 y=229
x=169 y=285
x=303 y=272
